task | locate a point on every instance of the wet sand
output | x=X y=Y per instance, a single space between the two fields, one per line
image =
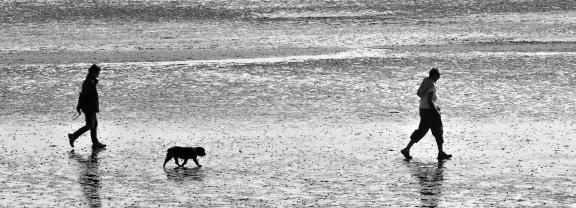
x=294 y=134
x=315 y=132
x=291 y=165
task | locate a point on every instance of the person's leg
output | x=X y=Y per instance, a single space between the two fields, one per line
x=438 y=132
x=89 y=124
x=94 y=130
x=93 y=134
x=418 y=134
x=410 y=144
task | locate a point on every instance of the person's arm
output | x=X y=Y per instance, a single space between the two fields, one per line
x=433 y=106
x=80 y=100
x=87 y=88
x=78 y=106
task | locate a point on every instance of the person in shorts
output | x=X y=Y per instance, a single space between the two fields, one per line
x=429 y=116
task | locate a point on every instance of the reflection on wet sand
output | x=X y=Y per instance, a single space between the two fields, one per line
x=430 y=177
x=184 y=174
x=89 y=177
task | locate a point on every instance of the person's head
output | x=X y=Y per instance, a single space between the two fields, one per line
x=434 y=74
x=94 y=71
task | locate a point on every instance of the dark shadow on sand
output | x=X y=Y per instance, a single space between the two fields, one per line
x=89 y=177
x=184 y=174
x=430 y=178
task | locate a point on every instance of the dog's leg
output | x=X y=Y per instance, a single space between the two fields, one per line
x=185 y=161
x=196 y=161
x=168 y=157
x=176 y=160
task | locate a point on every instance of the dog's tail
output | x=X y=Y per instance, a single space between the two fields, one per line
x=168 y=157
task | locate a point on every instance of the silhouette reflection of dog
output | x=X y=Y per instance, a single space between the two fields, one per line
x=89 y=177
x=430 y=178
x=184 y=174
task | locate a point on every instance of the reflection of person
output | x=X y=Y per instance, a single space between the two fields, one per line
x=430 y=178
x=89 y=178
x=429 y=116
x=88 y=103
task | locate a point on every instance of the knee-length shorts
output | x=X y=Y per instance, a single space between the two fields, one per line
x=429 y=120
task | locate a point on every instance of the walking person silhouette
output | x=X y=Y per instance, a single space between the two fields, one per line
x=88 y=103
x=429 y=116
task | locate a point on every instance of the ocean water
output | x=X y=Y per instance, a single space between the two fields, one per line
x=293 y=131
x=51 y=26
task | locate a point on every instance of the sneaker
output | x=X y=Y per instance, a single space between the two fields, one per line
x=98 y=146
x=406 y=154
x=71 y=140
x=443 y=156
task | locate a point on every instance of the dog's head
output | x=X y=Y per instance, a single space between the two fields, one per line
x=200 y=151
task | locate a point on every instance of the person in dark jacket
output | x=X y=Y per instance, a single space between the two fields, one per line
x=88 y=103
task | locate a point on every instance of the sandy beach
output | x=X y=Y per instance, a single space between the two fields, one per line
x=291 y=165
x=297 y=103
x=295 y=136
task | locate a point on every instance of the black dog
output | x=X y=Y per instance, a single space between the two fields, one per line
x=184 y=153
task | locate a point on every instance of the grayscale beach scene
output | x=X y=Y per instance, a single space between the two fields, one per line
x=298 y=103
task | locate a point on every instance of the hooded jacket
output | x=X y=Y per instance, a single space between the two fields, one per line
x=88 y=100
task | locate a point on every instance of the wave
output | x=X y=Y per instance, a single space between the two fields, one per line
x=364 y=53
x=351 y=54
